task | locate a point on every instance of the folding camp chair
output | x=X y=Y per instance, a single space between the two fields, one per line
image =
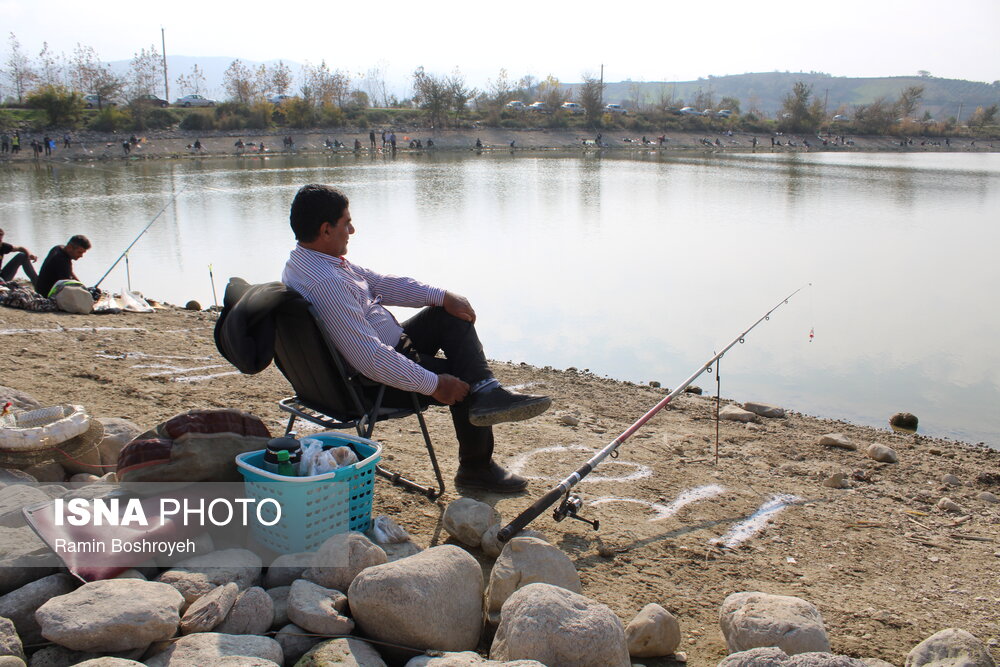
x=327 y=395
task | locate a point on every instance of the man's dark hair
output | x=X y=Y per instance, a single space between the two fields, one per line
x=80 y=241
x=313 y=205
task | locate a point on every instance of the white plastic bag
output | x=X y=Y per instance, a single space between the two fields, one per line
x=317 y=461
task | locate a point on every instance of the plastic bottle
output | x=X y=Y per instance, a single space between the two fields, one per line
x=285 y=467
x=275 y=445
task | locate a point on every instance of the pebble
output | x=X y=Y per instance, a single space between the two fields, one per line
x=881 y=453
x=837 y=480
x=950 y=480
x=948 y=505
x=988 y=497
x=569 y=420
x=837 y=440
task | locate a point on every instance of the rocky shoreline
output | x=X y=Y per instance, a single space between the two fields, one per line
x=172 y=144
x=871 y=541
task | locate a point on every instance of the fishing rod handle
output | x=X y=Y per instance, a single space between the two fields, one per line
x=527 y=516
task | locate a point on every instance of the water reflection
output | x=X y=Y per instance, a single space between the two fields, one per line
x=636 y=267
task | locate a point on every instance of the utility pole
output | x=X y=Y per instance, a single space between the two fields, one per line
x=166 y=85
x=958 y=121
x=826 y=98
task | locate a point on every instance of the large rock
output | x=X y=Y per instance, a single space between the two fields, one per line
x=211 y=648
x=493 y=547
x=117 y=433
x=838 y=440
x=318 y=609
x=528 y=560
x=751 y=619
x=252 y=614
x=764 y=410
x=653 y=632
x=210 y=609
x=466 y=659
x=12 y=476
x=279 y=602
x=10 y=643
x=344 y=652
x=559 y=628
x=881 y=453
x=113 y=615
x=20 y=399
x=194 y=577
x=295 y=642
x=773 y=656
x=467 y=520
x=287 y=568
x=736 y=413
x=54 y=655
x=391 y=601
x=108 y=661
x=20 y=605
x=11 y=661
x=341 y=558
x=950 y=648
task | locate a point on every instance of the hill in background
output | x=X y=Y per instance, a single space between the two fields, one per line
x=763 y=91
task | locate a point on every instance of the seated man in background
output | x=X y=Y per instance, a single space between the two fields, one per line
x=58 y=265
x=350 y=301
x=22 y=259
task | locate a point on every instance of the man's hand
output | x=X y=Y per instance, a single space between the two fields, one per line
x=458 y=306
x=450 y=390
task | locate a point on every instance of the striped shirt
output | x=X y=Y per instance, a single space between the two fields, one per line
x=350 y=302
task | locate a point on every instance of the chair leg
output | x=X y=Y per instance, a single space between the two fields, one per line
x=366 y=427
x=291 y=423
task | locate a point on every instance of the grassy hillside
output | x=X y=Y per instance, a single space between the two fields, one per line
x=765 y=91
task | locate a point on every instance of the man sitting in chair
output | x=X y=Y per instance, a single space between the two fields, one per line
x=350 y=302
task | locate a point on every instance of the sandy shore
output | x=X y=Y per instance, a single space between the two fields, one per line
x=177 y=144
x=883 y=563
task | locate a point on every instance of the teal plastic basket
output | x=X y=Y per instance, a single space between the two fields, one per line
x=312 y=508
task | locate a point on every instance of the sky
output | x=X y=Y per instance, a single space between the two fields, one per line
x=676 y=41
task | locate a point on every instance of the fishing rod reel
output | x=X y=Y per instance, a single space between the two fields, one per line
x=569 y=507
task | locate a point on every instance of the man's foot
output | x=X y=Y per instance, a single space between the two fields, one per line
x=491 y=477
x=500 y=405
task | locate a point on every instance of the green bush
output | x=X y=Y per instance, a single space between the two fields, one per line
x=198 y=121
x=300 y=113
x=160 y=119
x=331 y=116
x=109 y=119
x=62 y=107
x=261 y=115
x=377 y=117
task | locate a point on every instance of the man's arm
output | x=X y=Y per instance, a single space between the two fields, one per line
x=402 y=291
x=26 y=252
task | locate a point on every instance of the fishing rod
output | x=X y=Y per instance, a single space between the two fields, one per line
x=571 y=504
x=136 y=240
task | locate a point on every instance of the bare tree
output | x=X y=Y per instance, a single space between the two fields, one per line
x=325 y=86
x=591 y=97
x=375 y=85
x=144 y=74
x=239 y=82
x=552 y=92
x=193 y=81
x=50 y=67
x=19 y=70
x=280 y=78
x=432 y=94
x=798 y=113
x=460 y=93
x=909 y=100
x=88 y=74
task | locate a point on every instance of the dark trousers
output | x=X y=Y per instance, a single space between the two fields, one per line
x=433 y=330
x=18 y=261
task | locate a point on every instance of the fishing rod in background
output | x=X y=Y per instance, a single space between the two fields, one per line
x=124 y=254
x=571 y=504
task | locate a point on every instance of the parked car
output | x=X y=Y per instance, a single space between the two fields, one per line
x=278 y=99
x=539 y=107
x=689 y=111
x=615 y=108
x=515 y=105
x=95 y=102
x=724 y=113
x=194 y=101
x=572 y=107
x=840 y=118
x=151 y=100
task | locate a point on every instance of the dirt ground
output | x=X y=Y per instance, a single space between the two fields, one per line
x=883 y=564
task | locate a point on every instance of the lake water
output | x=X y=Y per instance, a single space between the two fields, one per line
x=638 y=267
